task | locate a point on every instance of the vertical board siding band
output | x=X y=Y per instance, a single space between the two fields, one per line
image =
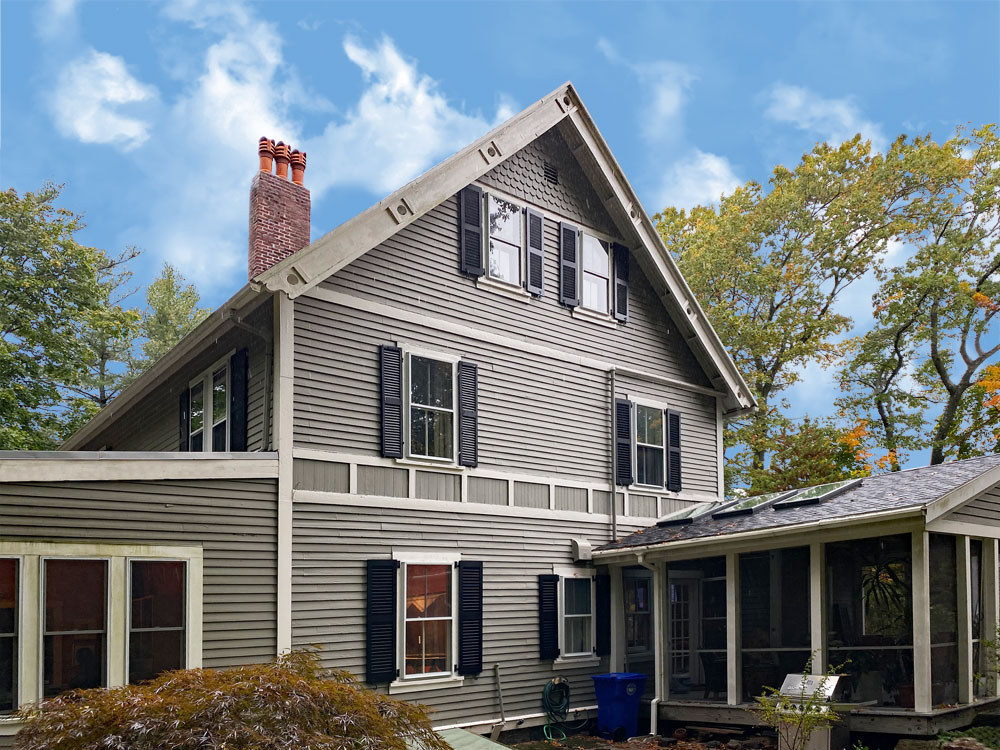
x=623 y=442
x=470 y=228
x=673 y=450
x=621 y=260
x=239 y=376
x=534 y=280
x=468 y=414
x=391 y=395
x=470 y=617
x=602 y=615
x=548 y=617
x=568 y=265
x=380 y=622
x=185 y=421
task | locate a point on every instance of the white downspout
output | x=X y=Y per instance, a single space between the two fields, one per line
x=658 y=655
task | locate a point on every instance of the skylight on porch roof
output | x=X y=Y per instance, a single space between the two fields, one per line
x=817 y=494
x=692 y=512
x=751 y=505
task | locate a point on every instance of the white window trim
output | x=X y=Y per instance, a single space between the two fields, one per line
x=453 y=359
x=581 y=659
x=414 y=683
x=607 y=314
x=31 y=602
x=649 y=404
x=205 y=378
x=489 y=279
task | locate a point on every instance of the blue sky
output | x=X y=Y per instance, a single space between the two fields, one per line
x=150 y=112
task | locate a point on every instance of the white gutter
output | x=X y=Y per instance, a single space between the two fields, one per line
x=659 y=586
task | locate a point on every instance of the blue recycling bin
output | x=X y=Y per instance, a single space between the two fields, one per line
x=618 y=695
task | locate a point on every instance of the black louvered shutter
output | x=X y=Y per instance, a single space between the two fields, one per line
x=470 y=227
x=623 y=442
x=470 y=617
x=602 y=614
x=391 y=392
x=621 y=282
x=548 y=617
x=568 y=265
x=239 y=374
x=380 y=622
x=673 y=451
x=185 y=421
x=535 y=277
x=468 y=414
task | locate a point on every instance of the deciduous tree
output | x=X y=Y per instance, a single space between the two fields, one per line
x=172 y=310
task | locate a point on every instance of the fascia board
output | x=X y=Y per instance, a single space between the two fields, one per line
x=963 y=494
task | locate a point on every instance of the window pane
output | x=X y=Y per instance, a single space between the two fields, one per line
x=428 y=591
x=577 y=596
x=74 y=595
x=505 y=262
x=595 y=293
x=595 y=256
x=578 y=635
x=8 y=594
x=73 y=660
x=219 y=395
x=505 y=221
x=649 y=465
x=152 y=652
x=197 y=408
x=649 y=424
x=198 y=442
x=427 y=647
x=157 y=594
x=219 y=438
x=7 y=670
x=430 y=382
x=431 y=433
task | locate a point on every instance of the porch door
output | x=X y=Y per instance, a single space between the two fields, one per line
x=638 y=603
x=681 y=627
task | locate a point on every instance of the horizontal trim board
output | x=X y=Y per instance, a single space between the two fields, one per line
x=479 y=334
x=110 y=467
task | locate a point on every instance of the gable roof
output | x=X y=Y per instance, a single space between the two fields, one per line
x=303 y=270
x=931 y=490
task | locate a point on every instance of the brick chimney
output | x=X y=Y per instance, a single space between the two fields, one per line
x=279 y=209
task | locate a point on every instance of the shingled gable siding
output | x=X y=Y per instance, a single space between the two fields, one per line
x=151 y=424
x=332 y=543
x=417 y=270
x=235 y=522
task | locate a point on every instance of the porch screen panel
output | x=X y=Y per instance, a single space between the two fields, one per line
x=944 y=619
x=8 y=634
x=870 y=618
x=774 y=617
x=979 y=665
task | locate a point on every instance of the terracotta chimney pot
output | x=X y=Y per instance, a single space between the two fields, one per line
x=298 y=162
x=265 y=147
x=281 y=157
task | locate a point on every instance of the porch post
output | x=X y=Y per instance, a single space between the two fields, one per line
x=733 y=688
x=991 y=607
x=617 y=619
x=921 y=622
x=817 y=606
x=964 y=604
x=661 y=601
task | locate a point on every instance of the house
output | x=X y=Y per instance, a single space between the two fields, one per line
x=435 y=444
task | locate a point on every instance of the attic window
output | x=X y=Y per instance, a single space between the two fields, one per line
x=551 y=173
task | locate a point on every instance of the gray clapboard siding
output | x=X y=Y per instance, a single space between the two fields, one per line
x=323 y=476
x=382 y=480
x=417 y=270
x=571 y=498
x=488 y=491
x=152 y=423
x=235 y=522
x=438 y=486
x=332 y=543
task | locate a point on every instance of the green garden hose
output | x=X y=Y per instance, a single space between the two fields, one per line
x=555 y=701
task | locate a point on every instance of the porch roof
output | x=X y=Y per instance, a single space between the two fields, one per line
x=912 y=488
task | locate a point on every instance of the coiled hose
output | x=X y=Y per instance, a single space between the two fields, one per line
x=555 y=701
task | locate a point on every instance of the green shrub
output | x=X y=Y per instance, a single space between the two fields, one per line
x=291 y=703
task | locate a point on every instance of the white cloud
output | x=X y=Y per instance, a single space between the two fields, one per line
x=666 y=84
x=92 y=95
x=56 y=18
x=401 y=125
x=699 y=178
x=831 y=120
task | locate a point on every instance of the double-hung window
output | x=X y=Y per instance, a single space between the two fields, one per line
x=209 y=398
x=431 y=408
x=650 y=445
x=157 y=627
x=75 y=625
x=578 y=616
x=428 y=627
x=596 y=273
x=505 y=225
x=9 y=615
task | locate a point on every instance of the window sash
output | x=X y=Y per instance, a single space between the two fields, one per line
x=9 y=642
x=451 y=646
x=413 y=404
x=203 y=438
x=587 y=617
